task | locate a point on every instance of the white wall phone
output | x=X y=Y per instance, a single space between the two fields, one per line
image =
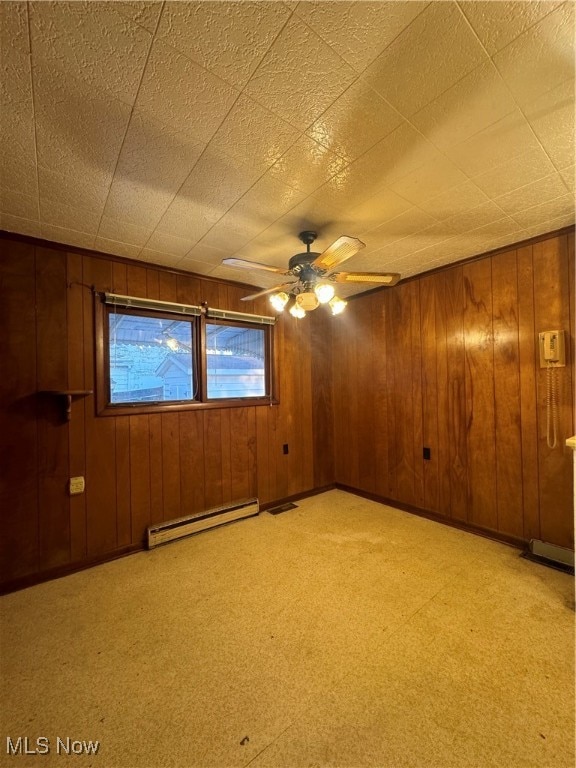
x=552 y=357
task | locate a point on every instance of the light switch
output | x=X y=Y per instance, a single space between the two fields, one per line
x=76 y=485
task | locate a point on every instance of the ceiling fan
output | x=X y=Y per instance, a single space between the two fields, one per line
x=314 y=273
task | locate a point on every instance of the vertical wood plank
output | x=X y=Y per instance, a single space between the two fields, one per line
x=213 y=459
x=191 y=448
x=140 y=503
x=416 y=372
x=429 y=392
x=452 y=424
x=19 y=546
x=101 y=519
x=52 y=370
x=76 y=425
x=551 y=312
x=480 y=394
x=321 y=345
x=171 y=469
x=528 y=401
x=507 y=392
x=381 y=386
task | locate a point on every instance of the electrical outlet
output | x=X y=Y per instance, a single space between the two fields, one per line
x=285 y=448
x=426 y=454
x=76 y=485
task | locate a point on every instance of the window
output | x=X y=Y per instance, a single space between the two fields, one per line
x=150 y=358
x=235 y=361
x=154 y=355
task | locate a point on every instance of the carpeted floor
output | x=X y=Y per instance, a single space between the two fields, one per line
x=341 y=633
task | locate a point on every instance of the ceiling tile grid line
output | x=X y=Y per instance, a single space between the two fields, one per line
x=425 y=128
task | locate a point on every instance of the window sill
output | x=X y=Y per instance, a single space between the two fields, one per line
x=135 y=410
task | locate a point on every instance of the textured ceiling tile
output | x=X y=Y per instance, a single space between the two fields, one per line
x=434 y=52
x=87 y=191
x=182 y=94
x=16 y=106
x=498 y=23
x=454 y=201
x=81 y=219
x=265 y=202
x=541 y=58
x=101 y=47
x=17 y=204
x=67 y=236
x=306 y=165
x=116 y=248
x=16 y=173
x=378 y=208
x=156 y=257
x=229 y=39
x=204 y=254
x=175 y=246
x=532 y=194
x=230 y=233
x=197 y=267
x=300 y=76
x=550 y=225
x=77 y=129
x=568 y=177
x=398 y=155
x=552 y=119
x=143 y=13
x=358 y=32
x=476 y=217
x=477 y=101
x=560 y=206
x=508 y=138
x=21 y=226
x=188 y=218
x=14 y=27
x=122 y=231
x=407 y=223
x=137 y=203
x=156 y=155
x=428 y=180
x=515 y=173
x=253 y=136
x=355 y=122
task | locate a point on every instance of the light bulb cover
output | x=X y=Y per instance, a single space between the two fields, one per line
x=279 y=300
x=337 y=305
x=297 y=311
x=324 y=292
x=308 y=301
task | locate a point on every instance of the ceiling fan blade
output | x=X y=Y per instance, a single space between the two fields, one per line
x=267 y=290
x=339 y=251
x=382 y=278
x=243 y=264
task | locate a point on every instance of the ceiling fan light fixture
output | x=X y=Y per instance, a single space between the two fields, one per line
x=324 y=292
x=297 y=311
x=279 y=300
x=337 y=305
x=307 y=301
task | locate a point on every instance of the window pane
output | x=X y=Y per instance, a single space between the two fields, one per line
x=150 y=359
x=235 y=361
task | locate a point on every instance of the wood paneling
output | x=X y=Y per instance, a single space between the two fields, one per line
x=449 y=361
x=144 y=468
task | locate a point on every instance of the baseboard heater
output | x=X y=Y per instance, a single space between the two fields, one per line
x=162 y=533
x=550 y=554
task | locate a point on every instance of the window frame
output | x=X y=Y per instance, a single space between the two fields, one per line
x=268 y=358
x=198 y=321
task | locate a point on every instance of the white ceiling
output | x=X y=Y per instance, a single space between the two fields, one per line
x=181 y=133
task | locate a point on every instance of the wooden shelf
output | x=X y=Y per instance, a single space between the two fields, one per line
x=69 y=394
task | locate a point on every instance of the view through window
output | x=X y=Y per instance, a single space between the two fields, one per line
x=235 y=361
x=151 y=359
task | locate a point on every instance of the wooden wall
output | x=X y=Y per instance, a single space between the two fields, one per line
x=139 y=469
x=450 y=361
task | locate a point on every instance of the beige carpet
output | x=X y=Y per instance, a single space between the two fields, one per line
x=342 y=633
